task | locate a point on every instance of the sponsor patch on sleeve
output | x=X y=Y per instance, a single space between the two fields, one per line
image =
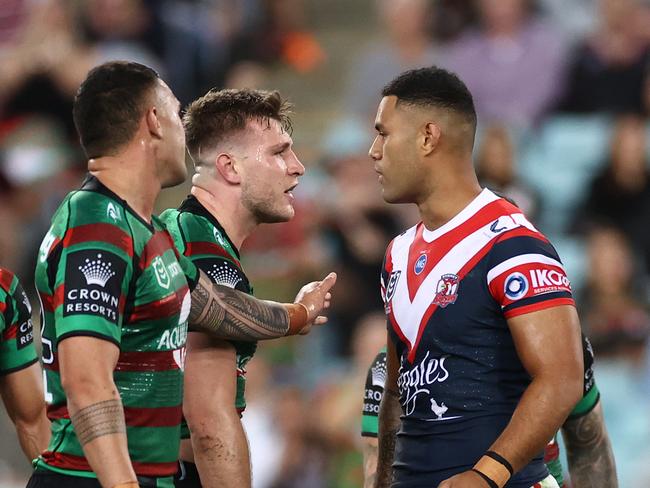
x=93 y=284
x=528 y=277
x=224 y=272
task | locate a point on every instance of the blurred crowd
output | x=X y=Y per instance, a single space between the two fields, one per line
x=562 y=89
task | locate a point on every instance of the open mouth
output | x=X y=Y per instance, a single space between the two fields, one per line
x=290 y=189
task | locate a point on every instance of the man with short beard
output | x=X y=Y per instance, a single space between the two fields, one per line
x=246 y=169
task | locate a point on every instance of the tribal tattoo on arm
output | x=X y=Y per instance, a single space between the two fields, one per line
x=589 y=451
x=389 y=424
x=99 y=419
x=226 y=313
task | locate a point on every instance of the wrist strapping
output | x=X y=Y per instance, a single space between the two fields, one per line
x=298 y=316
x=495 y=467
x=490 y=483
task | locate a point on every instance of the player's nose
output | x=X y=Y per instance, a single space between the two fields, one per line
x=375 y=151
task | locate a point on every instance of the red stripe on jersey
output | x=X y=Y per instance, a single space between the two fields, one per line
x=536 y=307
x=551 y=452
x=10 y=333
x=100 y=232
x=133 y=416
x=6 y=277
x=163 y=308
x=79 y=463
x=469 y=265
x=3 y=307
x=196 y=248
x=388 y=266
x=523 y=232
x=50 y=302
x=446 y=242
x=146 y=361
x=153 y=417
x=157 y=245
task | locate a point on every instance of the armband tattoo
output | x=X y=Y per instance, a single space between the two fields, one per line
x=99 y=419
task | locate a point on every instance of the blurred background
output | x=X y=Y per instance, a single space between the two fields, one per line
x=562 y=89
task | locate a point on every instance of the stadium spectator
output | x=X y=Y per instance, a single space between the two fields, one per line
x=512 y=62
x=608 y=69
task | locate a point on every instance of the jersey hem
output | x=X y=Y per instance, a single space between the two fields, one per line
x=87 y=333
x=5 y=372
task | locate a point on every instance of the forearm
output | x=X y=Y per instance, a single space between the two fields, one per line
x=541 y=411
x=589 y=451
x=221 y=451
x=370 y=453
x=98 y=421
x=225 y=313
x=33 y=436
x=389 y=424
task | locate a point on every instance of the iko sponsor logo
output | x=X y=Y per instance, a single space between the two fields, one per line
x=541 y=278
x=420 y=264
x=415 y=381
x=91 y=284
x=516 y=286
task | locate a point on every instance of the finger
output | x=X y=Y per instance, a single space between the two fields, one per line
x=326 y=304
x=320 y=320
x=328 y=296
x=328 y=281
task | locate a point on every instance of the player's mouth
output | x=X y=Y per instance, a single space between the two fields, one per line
x=289 y=191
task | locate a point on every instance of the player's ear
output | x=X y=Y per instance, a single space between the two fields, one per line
x=430 y=137
x=153 y=123
x=228 y=169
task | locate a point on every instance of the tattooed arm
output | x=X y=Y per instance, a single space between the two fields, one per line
x=389 y=421
x=226 y=313
x=86 y=366
x=589 y=451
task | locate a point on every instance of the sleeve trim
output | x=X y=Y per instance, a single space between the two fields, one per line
x=5 y=372
x=87 y=333
x=536 y=307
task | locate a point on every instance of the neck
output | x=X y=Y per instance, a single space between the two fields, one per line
x=448 y=199
x=129 y=178
x=233 y=217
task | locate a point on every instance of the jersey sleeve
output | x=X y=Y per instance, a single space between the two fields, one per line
x=374 y=391
x=525 y=274
x=170 y=219
x=92 y=272
x=17 y=350
x=590 y=393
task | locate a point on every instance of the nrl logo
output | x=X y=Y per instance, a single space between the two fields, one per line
x=162 y=276
x=392 y=285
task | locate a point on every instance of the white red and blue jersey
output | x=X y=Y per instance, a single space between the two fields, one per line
x=448 y=294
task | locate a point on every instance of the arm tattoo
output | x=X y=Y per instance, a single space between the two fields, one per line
x=99 y=419
x=589 y=451
x=389 y=423
x=230 y=314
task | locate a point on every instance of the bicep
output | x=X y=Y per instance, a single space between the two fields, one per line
x=548 y=341
x=210 y=375
x=86 y=363
x=22 y=393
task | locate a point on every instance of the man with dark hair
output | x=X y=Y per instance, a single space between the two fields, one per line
x=21 y=377
x=476 y=298
x=117 y=296
x=245 y=170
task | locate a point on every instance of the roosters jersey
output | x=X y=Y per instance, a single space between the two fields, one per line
x=448 y=294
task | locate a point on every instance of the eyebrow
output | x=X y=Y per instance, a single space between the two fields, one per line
x=281 y=147
x=380 y=127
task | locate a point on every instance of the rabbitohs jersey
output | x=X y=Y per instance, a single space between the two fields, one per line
x=374 y=392
x=448 y=294
x=17 y=349
x=198 y=235
x=104 y=272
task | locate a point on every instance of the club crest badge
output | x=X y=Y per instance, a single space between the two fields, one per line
x=446 y=290
x=392 y=285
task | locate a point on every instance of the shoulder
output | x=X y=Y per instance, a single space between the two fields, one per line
x=8 y=282
x=86 y=207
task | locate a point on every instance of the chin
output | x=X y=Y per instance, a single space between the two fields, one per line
x=175 y=178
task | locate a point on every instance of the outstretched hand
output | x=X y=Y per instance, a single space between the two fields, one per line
x=316 y=296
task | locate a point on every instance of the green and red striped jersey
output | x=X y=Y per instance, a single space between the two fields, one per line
x=17 y=349
x=198 y=235
x=104 y=272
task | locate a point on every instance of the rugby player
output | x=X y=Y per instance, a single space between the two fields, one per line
x=117 y=296
x=476 y=297
x=21 y=383
x=591 y=461
x=245 y=167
